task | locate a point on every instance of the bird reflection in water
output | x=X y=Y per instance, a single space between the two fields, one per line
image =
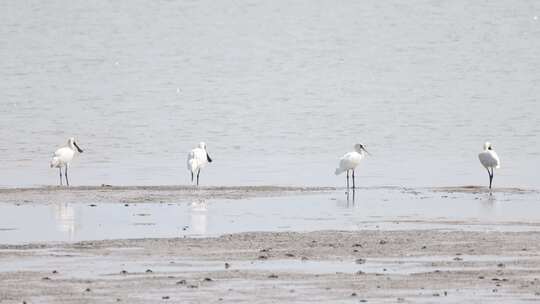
x=351 y=197
x=489 y=205
x=199 y=217
x=64 y=216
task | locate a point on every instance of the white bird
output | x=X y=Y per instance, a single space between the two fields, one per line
x=197 y=159
x=63 y=156
x=490 y=160
x=350 y=161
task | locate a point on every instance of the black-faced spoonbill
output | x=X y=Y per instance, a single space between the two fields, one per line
x=350 y=161
x=490 y=160
x=197 y=159
x=63 y=156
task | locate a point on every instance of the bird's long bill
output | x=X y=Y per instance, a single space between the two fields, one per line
x=208 y=158
x=366 y=151
x=78 y=148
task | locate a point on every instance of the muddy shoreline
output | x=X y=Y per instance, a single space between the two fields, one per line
x=366 y=264
x=146 y=194
x=330 y=266
x=183 y=193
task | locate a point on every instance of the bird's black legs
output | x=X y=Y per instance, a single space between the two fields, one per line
x=65 y=173
x=490 y=177
x=347 y=180
x=60 y=170
x=353 y=185
x=192 y=176
x=198 y=172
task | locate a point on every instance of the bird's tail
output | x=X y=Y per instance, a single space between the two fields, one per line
x=338 y=171
x=55 y=162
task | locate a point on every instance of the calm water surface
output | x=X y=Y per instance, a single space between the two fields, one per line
x=279 y=90
x=371 y=209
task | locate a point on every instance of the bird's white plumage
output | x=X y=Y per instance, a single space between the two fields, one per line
x=349 y=161
x=489 y=158
x=63 y=156
x=197 y=158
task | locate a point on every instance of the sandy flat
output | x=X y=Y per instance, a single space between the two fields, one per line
x=326 y=266
x=481 y=189
x=143 y=194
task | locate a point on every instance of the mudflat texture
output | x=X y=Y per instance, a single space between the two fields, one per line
x=144 y=194
x=324 y=266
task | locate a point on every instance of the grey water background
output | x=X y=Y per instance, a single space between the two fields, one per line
x=279 y=90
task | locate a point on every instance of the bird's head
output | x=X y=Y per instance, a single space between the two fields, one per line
x=73 y=144
x=202 y=145
x=487 y=146
x=359 y=148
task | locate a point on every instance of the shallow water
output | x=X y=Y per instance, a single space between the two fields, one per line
x=113 y=266
x=376 y=208
x=278 y=90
